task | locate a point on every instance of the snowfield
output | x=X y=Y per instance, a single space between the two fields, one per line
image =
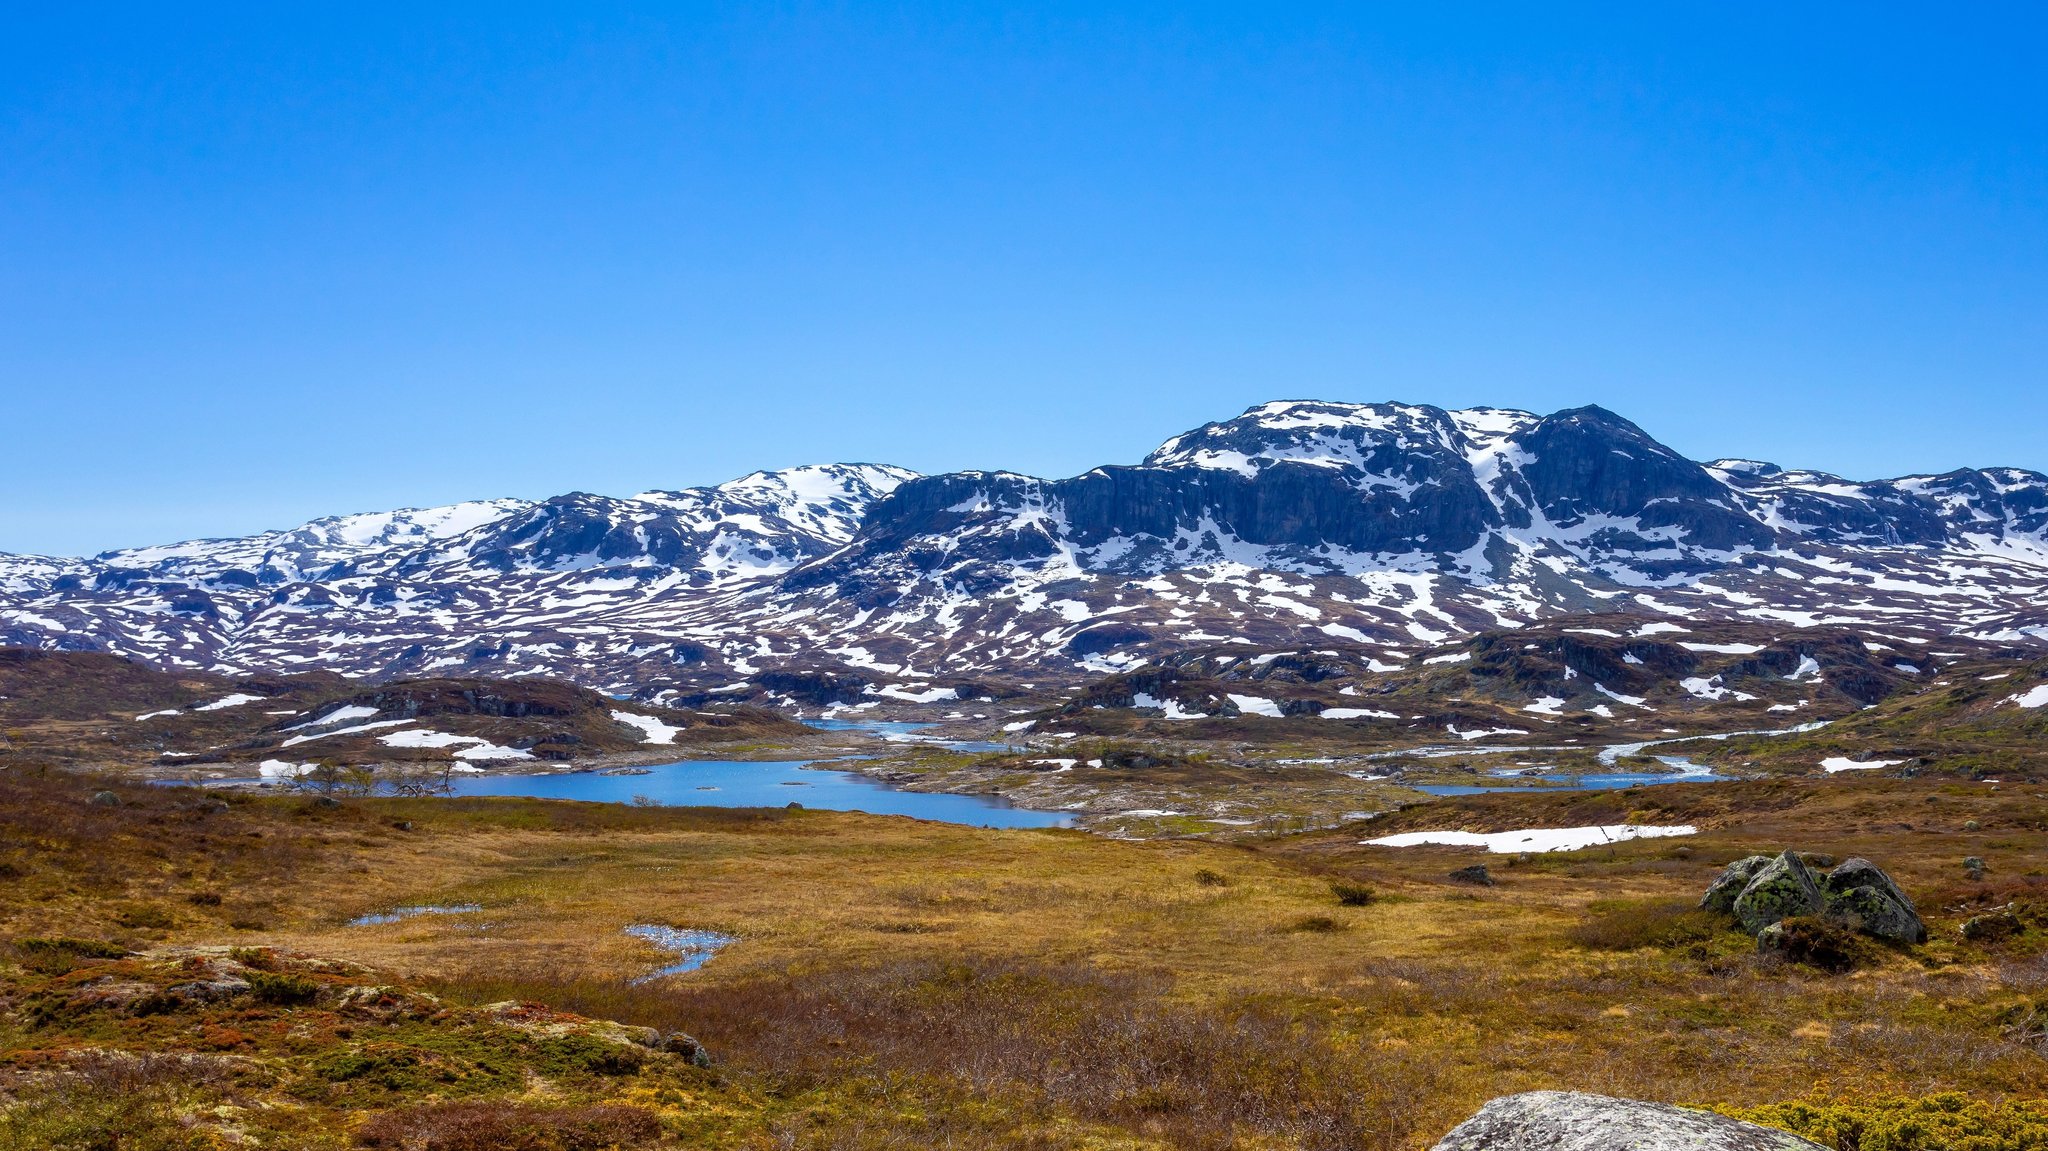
x=888 y=573
x=1535 y=839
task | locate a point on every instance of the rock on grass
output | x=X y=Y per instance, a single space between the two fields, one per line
x=1571 y=1121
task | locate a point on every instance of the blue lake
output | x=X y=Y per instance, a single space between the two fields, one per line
x=754 y=783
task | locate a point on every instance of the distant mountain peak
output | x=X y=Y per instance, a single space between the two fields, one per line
x=1297 y=522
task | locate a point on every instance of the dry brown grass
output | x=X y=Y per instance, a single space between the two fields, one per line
x=906 y=984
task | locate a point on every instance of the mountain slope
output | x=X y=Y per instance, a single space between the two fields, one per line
x=1393 y=525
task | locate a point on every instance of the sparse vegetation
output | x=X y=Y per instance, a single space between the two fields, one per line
x=903 y=984
x=1352 y=894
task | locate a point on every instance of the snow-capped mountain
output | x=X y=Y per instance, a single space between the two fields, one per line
x=1388 y=525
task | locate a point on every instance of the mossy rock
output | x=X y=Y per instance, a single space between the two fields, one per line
x=1782 y=889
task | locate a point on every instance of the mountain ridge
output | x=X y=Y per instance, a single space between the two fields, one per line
x=1386 y=524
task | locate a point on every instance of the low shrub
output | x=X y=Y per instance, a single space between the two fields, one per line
x=1951 y=1121
x=147 y=916
x=1626 y=925
x=1352 y=894
x=122 y=1103
x=1209 y=878
x=56 y=955
x=1316 y=923
x=282 y=990
x=503 y=1126
x=1815 y=942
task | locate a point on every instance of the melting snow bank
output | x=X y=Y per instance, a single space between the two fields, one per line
x=652 y=730
x=1836 y=763
x=693 y=949
x=1535 y=839
x=398 y=913
x=2033 y=697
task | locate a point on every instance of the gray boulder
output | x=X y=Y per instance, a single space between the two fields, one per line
x=1570 y=1121
x=1729 y=884
x=1783 y=888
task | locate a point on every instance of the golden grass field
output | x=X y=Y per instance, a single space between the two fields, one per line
x=898 y=983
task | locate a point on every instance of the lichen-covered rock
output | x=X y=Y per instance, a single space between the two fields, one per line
x=1873 y=912
x=1571 y=1121
x=1863 y=873
x=1782 y=889
x=1861 y=895
x=1729 y=884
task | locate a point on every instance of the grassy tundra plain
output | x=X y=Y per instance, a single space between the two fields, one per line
x=182 y=973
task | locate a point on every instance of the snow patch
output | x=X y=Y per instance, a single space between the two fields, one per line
x=1535 y=839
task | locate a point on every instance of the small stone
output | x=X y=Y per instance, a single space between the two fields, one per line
x=105 y=799
x=1991 y=926
x=1475 y=874
x=692 y=1051
x=794 y=806
x=1972 y=825
x=1973 y=867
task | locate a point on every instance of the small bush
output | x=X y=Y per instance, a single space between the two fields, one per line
x=1815 y=942
x=1625 y=925
x=148 y=916
x=1315 y=923
x=1209 y=878
x=502 y=1126
x=282 y=990
x=260 y=958
x=1352 y=894
x=57 y=955
x=110 y=1104
x=204 y=898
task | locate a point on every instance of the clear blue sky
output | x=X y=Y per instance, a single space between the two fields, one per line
x=268 y=263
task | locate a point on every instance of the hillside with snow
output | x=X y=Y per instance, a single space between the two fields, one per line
x=1388 y=527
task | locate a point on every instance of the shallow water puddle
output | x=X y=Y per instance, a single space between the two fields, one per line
x=692 y=948
x=399 y=913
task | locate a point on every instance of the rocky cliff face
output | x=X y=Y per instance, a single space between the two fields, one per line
x=1395 y=526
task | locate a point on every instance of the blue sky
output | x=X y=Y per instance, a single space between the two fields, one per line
x=260 y=265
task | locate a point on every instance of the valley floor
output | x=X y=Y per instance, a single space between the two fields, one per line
x=894 y=983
